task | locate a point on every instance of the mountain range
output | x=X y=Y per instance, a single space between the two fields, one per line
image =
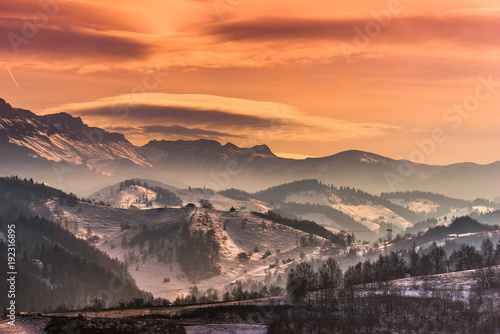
x=63 y=151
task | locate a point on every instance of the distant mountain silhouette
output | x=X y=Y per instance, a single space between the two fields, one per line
x=63 y=151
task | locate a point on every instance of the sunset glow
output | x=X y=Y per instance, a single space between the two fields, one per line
x=306 y=78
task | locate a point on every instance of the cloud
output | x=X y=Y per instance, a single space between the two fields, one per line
x=460 y=28
x=89 y=37
x=177 y=130
x=76 y=14
x=185 y=115
x=187 y=109
x=68 y=41
x=145 y=133
x=205 y=116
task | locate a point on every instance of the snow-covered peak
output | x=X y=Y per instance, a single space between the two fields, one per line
x=62 y=137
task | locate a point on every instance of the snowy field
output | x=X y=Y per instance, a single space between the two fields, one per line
x=25 y=325
x=456 y=286
x=227 y=329
x=453 y=287
x=36 y=325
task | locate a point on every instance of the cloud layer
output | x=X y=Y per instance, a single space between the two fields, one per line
x=168 y=116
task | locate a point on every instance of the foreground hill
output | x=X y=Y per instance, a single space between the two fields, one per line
x=152 y=243
x=444 y=303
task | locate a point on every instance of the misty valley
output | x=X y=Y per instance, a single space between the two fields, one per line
x=300 y=257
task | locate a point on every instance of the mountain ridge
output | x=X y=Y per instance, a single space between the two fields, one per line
x=64 y=118
x=103 y=157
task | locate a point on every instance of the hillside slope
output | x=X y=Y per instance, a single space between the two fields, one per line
x=149 y=241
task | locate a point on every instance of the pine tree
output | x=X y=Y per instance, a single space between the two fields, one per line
x=45 y=271
x=25 y=257
x=54 y=276
x=42 y=253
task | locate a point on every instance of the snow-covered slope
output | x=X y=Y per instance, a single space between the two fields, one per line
x=221 y=202
x=459 y=285
x=369 y=214
x=111 y=226
x=372 y=215
x=65 y=138
x=133 y=197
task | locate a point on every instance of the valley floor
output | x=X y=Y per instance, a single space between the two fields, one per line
x=411 y=305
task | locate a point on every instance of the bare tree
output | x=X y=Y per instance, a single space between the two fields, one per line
x=488 y=252
x=438 y=258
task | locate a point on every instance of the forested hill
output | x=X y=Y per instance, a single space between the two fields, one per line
x=15 y=190
x=460 y=225
x=55 y=268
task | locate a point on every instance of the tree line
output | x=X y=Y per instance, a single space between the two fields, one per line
x=198 y=253
x=414 y=262
x=340 y=239
x=344 y=220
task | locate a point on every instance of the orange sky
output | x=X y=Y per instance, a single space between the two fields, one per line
x=406 y=79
